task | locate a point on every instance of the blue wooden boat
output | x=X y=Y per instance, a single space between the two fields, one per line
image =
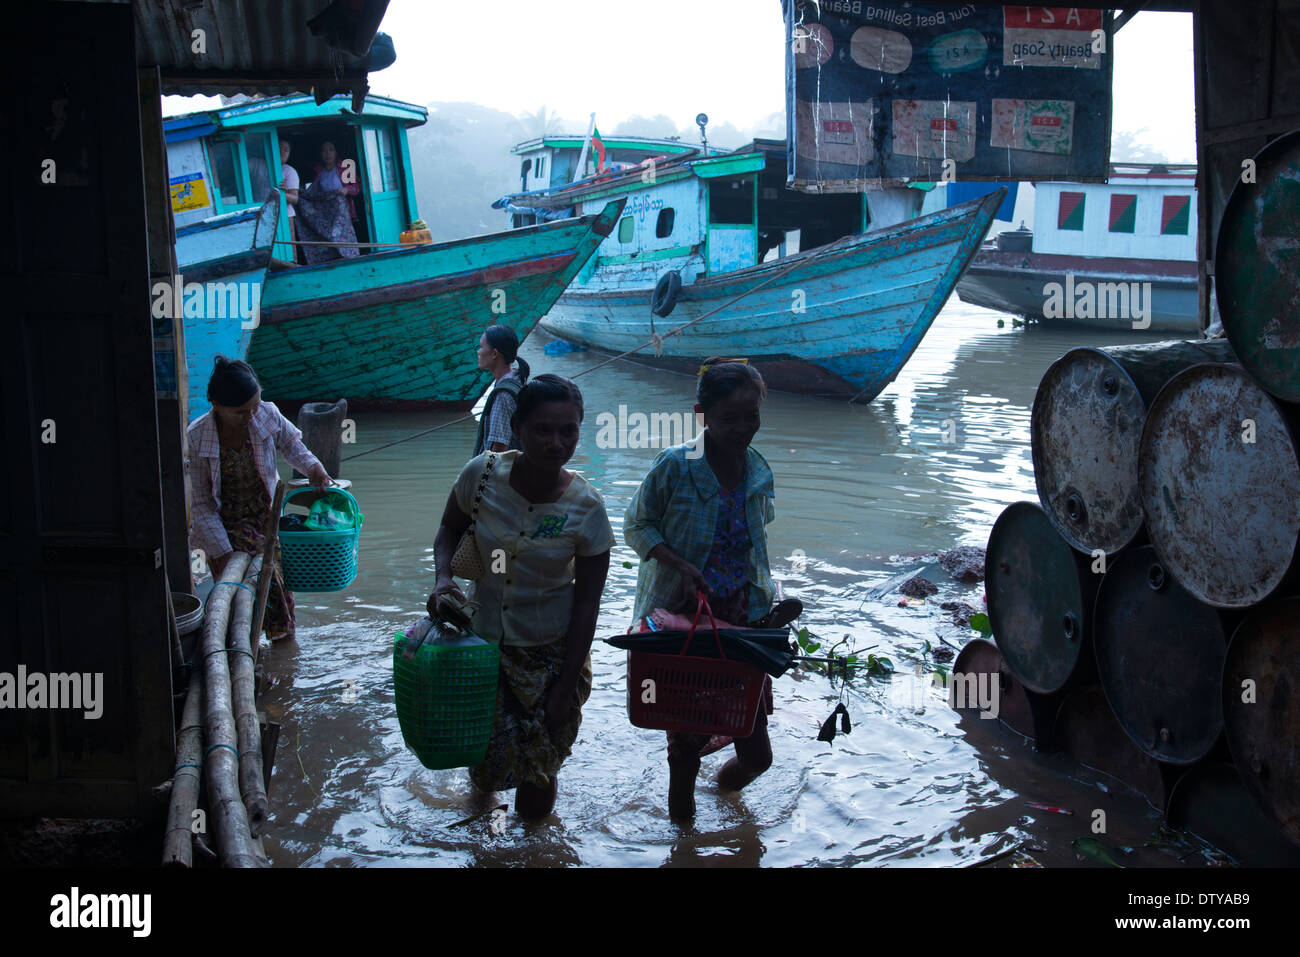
x=397 y=324
x=222 y=263
x=861 y=277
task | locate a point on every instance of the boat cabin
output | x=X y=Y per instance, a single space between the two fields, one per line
x=550 y=162
x=695 y=214
x=228 y=160
x=1143 y=211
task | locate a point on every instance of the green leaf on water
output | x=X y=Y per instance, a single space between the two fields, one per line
x=878 y=666
x=980 y=622
x=627 y=564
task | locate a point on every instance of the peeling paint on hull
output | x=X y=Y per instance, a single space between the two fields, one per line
x=868 y=300
x=399 y=331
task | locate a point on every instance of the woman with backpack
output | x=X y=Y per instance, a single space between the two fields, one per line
x=498 y=347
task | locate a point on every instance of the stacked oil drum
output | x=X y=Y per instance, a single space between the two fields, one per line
x=1146 y=611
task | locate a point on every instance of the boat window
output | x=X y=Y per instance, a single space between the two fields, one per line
x=1123 y=212
x=388 y=152
x=259 y=166
x=1069 y=214
x=664 y=224
x=1175 y=211
x=225 y=170
x=381 y=162
x=625 y=229
x=731 y=202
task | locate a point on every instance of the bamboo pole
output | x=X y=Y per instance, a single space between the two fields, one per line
x=268 y=568
x=178 y=842
x=220 y=763
x=243 y=695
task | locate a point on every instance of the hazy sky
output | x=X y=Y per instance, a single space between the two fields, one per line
x=682 y=57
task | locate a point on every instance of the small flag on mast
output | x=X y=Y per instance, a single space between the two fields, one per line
x=598 y=147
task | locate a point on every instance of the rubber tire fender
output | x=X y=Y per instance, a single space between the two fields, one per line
x=664 y=299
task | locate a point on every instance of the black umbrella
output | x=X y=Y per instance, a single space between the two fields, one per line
x=769 y=649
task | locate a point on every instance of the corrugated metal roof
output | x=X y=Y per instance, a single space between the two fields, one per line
x=249 y=46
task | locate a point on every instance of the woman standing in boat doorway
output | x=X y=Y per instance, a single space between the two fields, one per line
x=329 y=179
x=498 y=347
x=232 y=468
x=543 y=539
x=289 y=182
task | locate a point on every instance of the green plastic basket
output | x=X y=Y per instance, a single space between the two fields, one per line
x=446 y=696
x=320 y=561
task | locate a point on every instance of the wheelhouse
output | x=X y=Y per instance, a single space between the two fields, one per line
x=228 y=160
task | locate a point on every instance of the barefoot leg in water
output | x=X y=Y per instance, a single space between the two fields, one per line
x=533 y=803
x=753 y=757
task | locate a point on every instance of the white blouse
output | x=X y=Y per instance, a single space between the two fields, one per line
x=528 y=551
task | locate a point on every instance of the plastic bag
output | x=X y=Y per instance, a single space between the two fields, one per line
x=331 y=512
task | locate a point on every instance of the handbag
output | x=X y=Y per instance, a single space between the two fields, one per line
x=467 y=562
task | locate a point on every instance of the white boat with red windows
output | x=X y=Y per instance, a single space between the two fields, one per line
x=1114 y=255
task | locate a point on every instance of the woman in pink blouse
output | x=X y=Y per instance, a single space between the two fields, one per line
x=232 y=468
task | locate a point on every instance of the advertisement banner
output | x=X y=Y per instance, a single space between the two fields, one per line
x=882 y=94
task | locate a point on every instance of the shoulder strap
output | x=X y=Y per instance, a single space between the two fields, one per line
x=510 y=384
x=482 y=485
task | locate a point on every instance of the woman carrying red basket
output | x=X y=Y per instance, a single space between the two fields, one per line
x=699 y=522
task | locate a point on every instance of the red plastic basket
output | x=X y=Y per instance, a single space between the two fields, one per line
x=698 y=695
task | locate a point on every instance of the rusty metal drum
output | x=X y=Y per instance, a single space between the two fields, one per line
x=1041 y=593
x=1086 y=434
x=1160 y=659
x=1261 y=708
x=1257 y=268
x=1017 y=707
x=1212 y=801
x=1220 y=483
x=1086 y=729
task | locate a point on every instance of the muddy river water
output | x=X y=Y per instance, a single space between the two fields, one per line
x=863 y=493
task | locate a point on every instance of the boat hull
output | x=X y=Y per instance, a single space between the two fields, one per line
x=1021 y=284
x=838 y=321
x=399 y=330
x=226 y=258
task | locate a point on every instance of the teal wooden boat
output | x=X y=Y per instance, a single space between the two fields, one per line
x=397 y=324
x=400 y=330
x=842 y=287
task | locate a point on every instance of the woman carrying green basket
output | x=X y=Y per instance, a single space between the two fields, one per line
x=232 y=468
x=541 y=540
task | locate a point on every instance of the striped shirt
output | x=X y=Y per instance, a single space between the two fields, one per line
x=677 y=505
x=268 y=431
x=499 y=411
